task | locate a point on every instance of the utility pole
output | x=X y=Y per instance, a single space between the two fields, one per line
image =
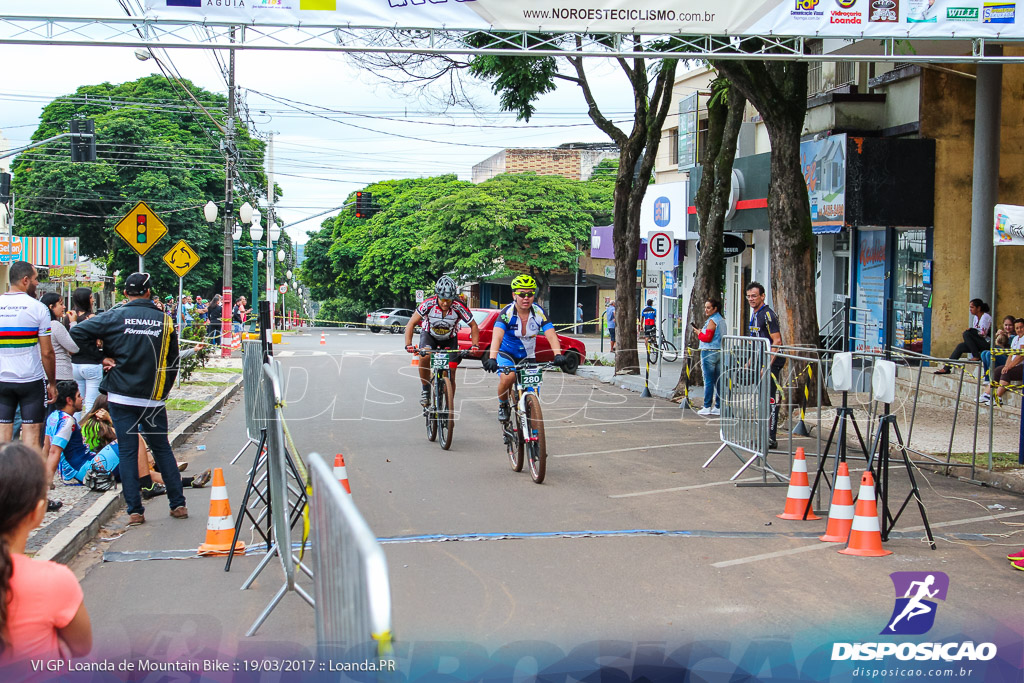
x=271 y=291
x=229 y=206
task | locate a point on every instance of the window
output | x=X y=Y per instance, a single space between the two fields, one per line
x=673 y=147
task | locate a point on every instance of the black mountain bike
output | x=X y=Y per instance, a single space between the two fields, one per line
x=523 y=432
x=656 y=343
x=439 y=415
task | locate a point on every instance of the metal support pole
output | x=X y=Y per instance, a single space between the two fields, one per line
x=985 y=186
x=271 y=292
x=229 y=207
x=180 y=281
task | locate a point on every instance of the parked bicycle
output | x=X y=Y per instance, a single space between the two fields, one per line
x=439 y=415
x=523 y=432
x=657 y=343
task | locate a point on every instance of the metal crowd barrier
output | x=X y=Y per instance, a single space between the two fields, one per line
x=746 y=386
x=252 y=386
x=350 y=575
x=278 y=491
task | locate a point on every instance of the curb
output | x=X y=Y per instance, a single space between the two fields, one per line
x=1002 y=482
x=70 y=540
x=631 y=382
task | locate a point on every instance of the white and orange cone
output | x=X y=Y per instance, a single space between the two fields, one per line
x=323 y=339
x=219 y=529
x=840 y=512
x=799 y=494
x=865 y=533
x=340 y=474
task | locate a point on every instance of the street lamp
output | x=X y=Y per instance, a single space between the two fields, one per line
x=253 y=218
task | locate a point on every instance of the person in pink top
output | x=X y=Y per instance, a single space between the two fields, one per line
x=42 y=615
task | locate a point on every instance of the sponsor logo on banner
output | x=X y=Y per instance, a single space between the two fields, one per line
x=962 y=14
x=914 y=614
x=1007 y=231
x=271 y=4
x=884 y=11
x=807 y=9
x=921 y=12
x=843 y=17
x=999 y=13
x=184 y=3
x=846 y=4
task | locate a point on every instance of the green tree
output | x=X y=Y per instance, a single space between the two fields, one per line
x=513 y=223
x=725 y=114
x=153 y=145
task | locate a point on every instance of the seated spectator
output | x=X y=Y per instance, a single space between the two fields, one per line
x=1001 y=340
x=975 y=337
x=98 y=432
x=1013 y=369
x=44 y=616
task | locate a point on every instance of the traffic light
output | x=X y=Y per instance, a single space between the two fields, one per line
x=5 y=188
x=364 y=204
x=83 y=148
x=141 y=228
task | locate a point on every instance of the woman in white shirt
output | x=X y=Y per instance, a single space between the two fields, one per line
x=975 y=337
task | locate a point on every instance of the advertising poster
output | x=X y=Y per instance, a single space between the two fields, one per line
x=869 y=333
x=824 y=168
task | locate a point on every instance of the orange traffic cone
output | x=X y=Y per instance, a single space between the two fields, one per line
x=865 y=533
x=340 y=474
x=840 y=513
x=799 y=493
x=323 y=339
x=219 y=529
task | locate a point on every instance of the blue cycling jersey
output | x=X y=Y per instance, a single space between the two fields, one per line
x=520 y=340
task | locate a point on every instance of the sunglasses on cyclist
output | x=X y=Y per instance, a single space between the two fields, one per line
x=525 y=295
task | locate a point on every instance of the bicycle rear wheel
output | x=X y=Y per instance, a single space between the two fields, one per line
x=430 y=412
x=652 y=351
x=537 y=450
x=445 y=418
x=669 y=350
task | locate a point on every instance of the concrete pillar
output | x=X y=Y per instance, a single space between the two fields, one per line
x=985 y=188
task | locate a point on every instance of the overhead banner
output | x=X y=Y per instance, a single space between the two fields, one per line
x=812 y=18
x=1009 y=225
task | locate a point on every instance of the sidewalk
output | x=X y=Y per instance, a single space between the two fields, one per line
x=63 y=533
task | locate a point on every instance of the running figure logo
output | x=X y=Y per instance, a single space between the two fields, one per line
x=916 y=592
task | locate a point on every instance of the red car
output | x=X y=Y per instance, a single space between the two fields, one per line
x=573 y=349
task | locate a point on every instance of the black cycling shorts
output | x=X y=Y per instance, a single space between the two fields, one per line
x=31 y=396
x=429 y=341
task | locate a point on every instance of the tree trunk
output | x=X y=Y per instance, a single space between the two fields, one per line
x=779 y=92
x=725 y=114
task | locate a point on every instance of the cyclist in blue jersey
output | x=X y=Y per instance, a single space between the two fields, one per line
x=649 y=320
x=514 y=338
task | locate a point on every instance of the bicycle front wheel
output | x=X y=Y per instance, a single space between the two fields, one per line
x=537 y=450
x=669 y=350
x=445 y=421
x=514 y=441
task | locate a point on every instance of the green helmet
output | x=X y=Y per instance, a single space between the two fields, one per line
x=524 y=282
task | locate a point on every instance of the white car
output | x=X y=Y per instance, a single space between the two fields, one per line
x=391 y=319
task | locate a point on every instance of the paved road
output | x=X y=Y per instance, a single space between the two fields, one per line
x=619 y=463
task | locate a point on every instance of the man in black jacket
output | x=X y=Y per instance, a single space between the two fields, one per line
x=141 y=348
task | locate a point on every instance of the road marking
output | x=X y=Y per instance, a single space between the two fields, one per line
x=821 y=546
x=284 y=354
x=682 y=488
x=638 y=448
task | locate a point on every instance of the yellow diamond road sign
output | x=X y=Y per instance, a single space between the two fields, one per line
x=181 y=258
x=141 y=228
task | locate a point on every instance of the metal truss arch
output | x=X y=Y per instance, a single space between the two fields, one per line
x=179 y=34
